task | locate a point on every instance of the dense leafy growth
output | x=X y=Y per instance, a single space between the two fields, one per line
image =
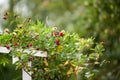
x=68 y=54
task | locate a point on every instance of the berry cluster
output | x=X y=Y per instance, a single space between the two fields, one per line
x=58 y=34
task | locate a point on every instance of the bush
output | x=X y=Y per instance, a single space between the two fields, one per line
x=68 y=54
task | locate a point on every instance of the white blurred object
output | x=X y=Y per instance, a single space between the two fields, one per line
x=4 y=4
x=1 y=30
x=49 y=22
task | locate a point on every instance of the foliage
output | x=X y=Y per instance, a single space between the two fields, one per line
x=10 y=70
x=87 y=18
x=68 y=54
x=98 y=18
x=109 y=32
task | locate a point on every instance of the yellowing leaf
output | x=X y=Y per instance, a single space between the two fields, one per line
x=104 y=16
x=76 y=70
x=70 y=71
x=97 y=55
x=46 y=69
x=33 y=48
x=66 y=63
x=59 y=48
x=18 y=53
x=73 y=65
x=96 y=62
x=45 y=62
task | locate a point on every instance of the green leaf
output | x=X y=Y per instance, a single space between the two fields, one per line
x=40 y=24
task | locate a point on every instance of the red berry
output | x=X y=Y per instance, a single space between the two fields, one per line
x=30 y=45
x=61 y=34
x=15 y=43
x=57 y=42
x=55 y=34
x=8 y=47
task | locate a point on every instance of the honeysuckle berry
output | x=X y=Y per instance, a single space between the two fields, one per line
x=15 y=43
x=55 y=34
x=30 y=45
x=8 y=47
x=61 y=34
x=57 y=42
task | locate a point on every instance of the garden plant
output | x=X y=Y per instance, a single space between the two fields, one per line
x=68 y=54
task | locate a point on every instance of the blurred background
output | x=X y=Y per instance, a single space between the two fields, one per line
x=88 y=18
